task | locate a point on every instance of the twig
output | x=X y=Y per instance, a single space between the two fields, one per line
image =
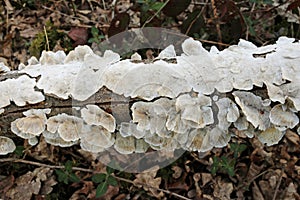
x=277 y=186
x=47 y=41
x=149 y=186
x=192 y=23
x=152 y=17
x=87 y=170
x=43 y=165
x=63 y=14
x=214 y=8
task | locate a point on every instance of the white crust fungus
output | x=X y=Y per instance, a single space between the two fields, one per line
x=93 y=115
x=3 y=68
x=68 y=127
x=124 y=145
x=181 y=113
x=270 y=136
x=20 y=90
x=95 y=138
x=281 y=116
x=195 y=112
x=253 y=108
x=168 y=52
x=7 y=145
x=32 y=125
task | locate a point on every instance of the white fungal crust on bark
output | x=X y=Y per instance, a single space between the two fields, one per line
x=20 y=90
x=7 y=145
x=194 y=103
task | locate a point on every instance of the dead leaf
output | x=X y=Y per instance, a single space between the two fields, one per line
x=293 y=137
x=79 y=35
x=206 y=178
x=257 y=195
x=177 y=172
x=178 y=185
x=222 y=189
x=265 y=188
x=5 y=184
x=87 y=189
x=197 y=178
x=146 y=179
x=29 y=184
x=47 y=186
x=119 y=24
x=290 y=192
x=110 y=193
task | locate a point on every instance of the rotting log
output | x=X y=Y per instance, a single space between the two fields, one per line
x=195 y=101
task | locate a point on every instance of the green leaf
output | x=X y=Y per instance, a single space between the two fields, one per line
x=156 y=6
x=19 y=151
x=68 y=166
x=109 y=170
x=112 y=181
x=61 y=176
x=101 y=189
x=94 y=31
x=215 y=166
x=98 y=178
x=237 y=148
x=228 y=165
x=74 y=178
x=91 y=40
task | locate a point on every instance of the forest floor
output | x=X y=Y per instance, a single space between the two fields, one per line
x=245 y=169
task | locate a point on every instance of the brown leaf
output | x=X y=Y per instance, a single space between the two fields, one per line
x=257 y=195
x=147 y=178
x=292 y=137
x=253 y=171
x=206 y=178
x=29 y=184
x=6 y=184
x=177 y=172
x=178 y=185
x=265 y=188
x=79 y=35
x=110 y=193
x=222 y=189
x=86 y=189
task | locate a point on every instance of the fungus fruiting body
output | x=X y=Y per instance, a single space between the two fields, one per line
x=194 y=102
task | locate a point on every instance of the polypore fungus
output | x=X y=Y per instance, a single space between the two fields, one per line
x=3 y=68
x=32 y=125
x=93 y=115
x=66 y=126
x=196 y=112
x=253 y=108
x=270 y=136
x=95 y=138
x=281 y=116
x=124 y=145
x=193 y=101
x=7 y=145
x=20 y=90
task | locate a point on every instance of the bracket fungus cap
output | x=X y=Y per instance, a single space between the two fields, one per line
x=94 y=115
x=68 y=127
x=32 y=125
x=7 y=145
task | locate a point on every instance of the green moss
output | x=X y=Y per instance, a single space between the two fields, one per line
x=54 y=36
